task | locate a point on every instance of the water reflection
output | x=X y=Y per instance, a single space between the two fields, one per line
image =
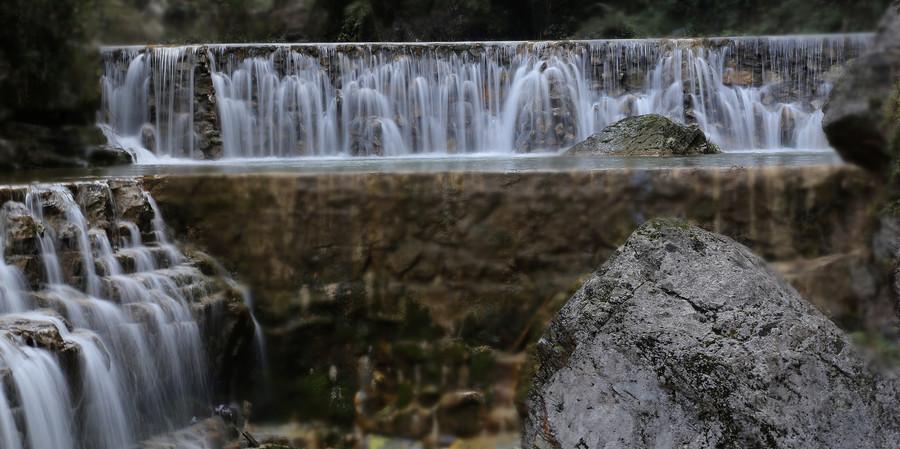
x=443 y=163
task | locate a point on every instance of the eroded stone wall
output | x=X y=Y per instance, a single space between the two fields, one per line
x=427 y=288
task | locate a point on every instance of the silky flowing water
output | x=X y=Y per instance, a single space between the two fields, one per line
x=99 y=347
x=129 y=361
x=481 y=97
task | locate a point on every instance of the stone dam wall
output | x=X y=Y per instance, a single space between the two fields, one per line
x=400 y=300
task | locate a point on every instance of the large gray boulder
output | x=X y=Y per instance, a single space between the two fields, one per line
x=645 y=135
x=861 y=116
x=685 y=339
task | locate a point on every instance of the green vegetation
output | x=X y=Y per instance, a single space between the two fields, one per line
x=411 y=20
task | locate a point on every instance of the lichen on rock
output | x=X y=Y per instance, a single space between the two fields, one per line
x=684 y=338
x=645 y=135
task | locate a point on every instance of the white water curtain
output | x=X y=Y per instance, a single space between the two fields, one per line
x=327 y=100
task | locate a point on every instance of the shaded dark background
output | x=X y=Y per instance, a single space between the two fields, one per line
x=49 y=64
x=425 y=20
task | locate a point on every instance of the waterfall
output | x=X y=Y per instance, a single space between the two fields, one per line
x=149 y=107
x=293 y=100
x=11 y=281
x=39 y=382
x=99 y=346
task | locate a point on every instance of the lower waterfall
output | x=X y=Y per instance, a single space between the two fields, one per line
x=100 y=346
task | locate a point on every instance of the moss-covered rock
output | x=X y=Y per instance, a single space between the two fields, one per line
x=645 y=135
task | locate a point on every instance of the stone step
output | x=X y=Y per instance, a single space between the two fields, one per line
x=129 y=259
x=31 y=330
x=186 y=279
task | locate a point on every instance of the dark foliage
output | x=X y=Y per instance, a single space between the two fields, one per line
x=447 y=20
x=48 y=73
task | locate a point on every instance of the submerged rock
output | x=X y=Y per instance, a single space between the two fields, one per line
x=645 y=135
x=861 y=116
x=684 y=338
x=108 y=155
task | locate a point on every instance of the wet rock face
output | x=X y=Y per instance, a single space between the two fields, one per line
x=108 y=155
x=645 y=135
x=206 y=116
x=421 y=272
x=861 y=116
x=114 y=210
x=684 y=338
x=227 y=328
x=41 y=334
x=26 y=331
x=21 y=230
x=367 y=137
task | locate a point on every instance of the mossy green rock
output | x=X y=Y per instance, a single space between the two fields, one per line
x=646 y=135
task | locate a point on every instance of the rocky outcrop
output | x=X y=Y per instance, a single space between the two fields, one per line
x=645 y=135
x=38 y=332
x=685 y=338
x=229 y=332
x=108 y=155
x=862 y=116
x=29 y=146
x=862 y=122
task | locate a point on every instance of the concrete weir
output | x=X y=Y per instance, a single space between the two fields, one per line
x=381 y=99
x=398 y=300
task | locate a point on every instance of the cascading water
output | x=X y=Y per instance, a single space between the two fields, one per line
x=99 y=347
x=402 y=99
x=156 y=88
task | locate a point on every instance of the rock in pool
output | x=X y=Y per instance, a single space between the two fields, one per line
x=645 y=135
